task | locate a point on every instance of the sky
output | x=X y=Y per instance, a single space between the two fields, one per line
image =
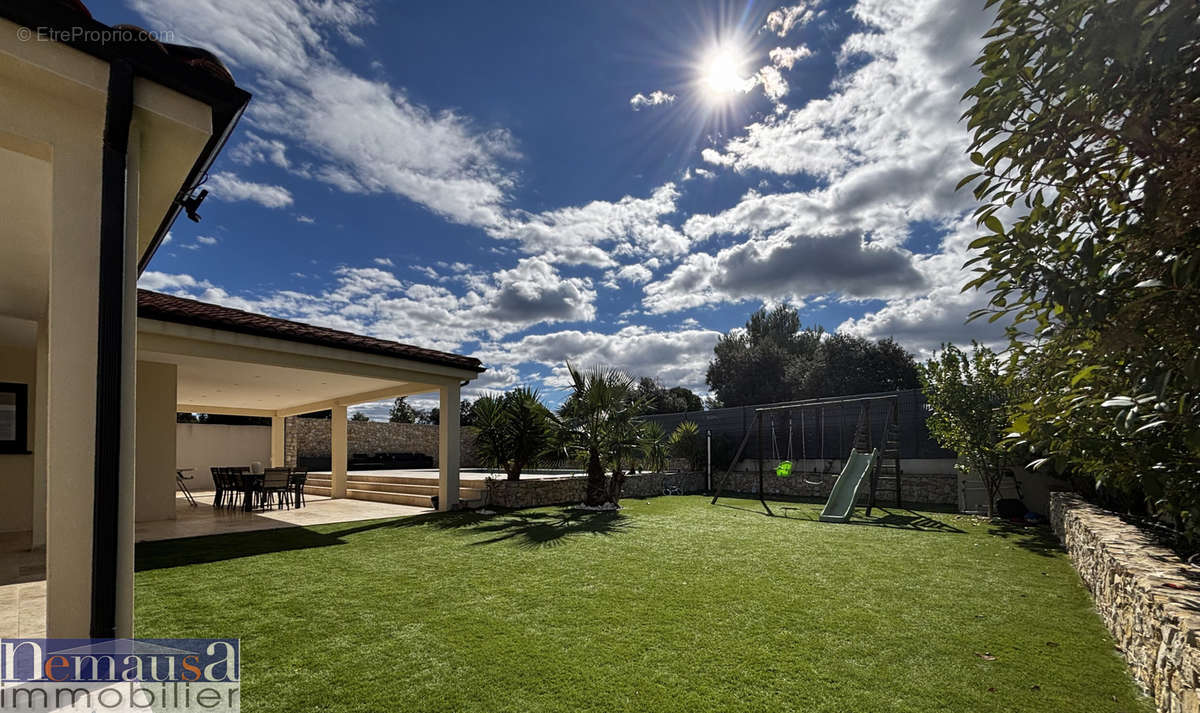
x=612 y=182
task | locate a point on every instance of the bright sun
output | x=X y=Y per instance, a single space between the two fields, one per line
x=721 y=74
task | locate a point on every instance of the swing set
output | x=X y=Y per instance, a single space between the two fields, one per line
x=874 y=461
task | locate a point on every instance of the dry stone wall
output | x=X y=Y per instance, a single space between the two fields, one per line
x=1147 y=596
x=312 y=438
x=536 y=492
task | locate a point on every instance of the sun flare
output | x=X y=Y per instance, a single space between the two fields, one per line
x=720 y=74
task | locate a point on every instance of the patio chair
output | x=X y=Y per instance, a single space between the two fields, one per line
x=276 y=487
x=298 y=479
x=220 y=486
x=228 y=482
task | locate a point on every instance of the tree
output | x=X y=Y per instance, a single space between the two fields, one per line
x=597 y=421
x=659 y=399
x=359 y=416
x=1085 y=137
x=431 y=417
x=655 y=448
x=687 y=443
x=403 y=412
x=512 y=430
x=971 y=403
x=773 y=359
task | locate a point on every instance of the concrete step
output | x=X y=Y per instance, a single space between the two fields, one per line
x=465 y=492
x=423 y=501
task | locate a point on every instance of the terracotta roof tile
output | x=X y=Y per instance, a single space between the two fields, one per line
x=168 y=308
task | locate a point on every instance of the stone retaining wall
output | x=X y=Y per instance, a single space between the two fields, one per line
x=1148 y=598
x=312 y=438
x=537 y=492
x=916 y=488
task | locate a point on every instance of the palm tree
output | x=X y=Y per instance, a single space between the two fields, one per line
x=685 y=443
x=597 y=421
x=654 y=446
x=512 y=430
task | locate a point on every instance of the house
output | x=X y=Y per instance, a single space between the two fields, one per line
x=106 y=136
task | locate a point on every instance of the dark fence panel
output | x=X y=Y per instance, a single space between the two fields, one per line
x=836 y=422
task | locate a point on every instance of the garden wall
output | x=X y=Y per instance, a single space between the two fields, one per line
x=537 y=492
x=1147 y=596
x=370 y=437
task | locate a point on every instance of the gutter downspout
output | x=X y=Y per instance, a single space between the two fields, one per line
x=110 y=352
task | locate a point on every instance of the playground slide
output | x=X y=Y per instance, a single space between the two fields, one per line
x=845 y=490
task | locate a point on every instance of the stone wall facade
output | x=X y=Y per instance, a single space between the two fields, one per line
x=537 y=492
x=915 y=488
x=312 y=438
x=1147 y=596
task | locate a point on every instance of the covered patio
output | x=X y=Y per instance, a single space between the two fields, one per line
x=203 y=358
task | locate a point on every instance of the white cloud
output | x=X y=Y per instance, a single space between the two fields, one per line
x=305 y=219
x=228 y=187
x=637 y=274
x=373 y=301
x=657 y=97
x=677 y=357
x=787 y=265
x=383 y=261
x=255 y=149
x=593 y=233
x=785 y=19
x=786 y=57
x=206 y=240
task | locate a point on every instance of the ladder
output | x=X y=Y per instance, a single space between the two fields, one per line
x=886 y=475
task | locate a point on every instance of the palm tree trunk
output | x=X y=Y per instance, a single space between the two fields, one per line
x=615 y=485
x=597 y=491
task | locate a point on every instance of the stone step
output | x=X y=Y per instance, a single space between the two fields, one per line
x=418 y=500
x=465 y=492
x=421 y=501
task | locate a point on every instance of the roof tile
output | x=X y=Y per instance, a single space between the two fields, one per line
x=169 y=308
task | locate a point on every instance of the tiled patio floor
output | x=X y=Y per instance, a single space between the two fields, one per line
x=204 y=520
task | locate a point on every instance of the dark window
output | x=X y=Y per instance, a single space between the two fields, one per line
x=14 y=414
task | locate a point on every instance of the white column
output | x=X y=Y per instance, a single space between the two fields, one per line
x=449 y=443
x=277 y=430
x=127 y=476
x=71 y=381
x=338 y=451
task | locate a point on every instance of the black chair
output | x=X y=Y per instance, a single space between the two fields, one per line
x=297 y=482
x=220 y=486
x=275 y=487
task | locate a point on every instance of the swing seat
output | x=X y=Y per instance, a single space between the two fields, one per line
x=784 y=469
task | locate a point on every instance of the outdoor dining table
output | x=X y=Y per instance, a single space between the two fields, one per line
x=251 y=483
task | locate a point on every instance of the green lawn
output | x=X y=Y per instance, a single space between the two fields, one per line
x=669 y=605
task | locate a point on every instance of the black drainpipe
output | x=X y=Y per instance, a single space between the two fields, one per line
x=109 y=352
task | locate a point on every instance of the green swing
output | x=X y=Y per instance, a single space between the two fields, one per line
x=784 y=469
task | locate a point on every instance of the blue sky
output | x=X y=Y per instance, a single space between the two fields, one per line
x=613 y=182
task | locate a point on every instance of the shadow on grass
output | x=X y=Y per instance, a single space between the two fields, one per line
x=216 y=548
x=1039 y=539
x=893 y=518
x=531 y=529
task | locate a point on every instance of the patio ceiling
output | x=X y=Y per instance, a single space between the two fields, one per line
x=231 y=373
